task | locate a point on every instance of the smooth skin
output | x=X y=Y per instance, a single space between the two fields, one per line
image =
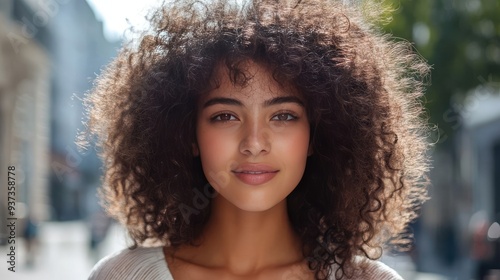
x=253 y=142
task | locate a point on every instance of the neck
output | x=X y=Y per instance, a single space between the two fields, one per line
x=245 y=242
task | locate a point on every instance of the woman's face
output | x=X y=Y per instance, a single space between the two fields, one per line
x=253 y=141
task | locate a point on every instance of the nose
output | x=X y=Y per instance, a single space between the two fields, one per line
x=256 y=139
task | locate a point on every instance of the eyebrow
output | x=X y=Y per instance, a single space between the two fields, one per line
x=267 y=103
x=283 y=99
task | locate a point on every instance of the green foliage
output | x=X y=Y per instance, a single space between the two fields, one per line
x=461 y=41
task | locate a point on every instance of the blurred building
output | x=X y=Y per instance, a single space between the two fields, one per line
x=50 y=52
x=479 y=166
x=24 y=118
x=479 y=151
x=78 y=52
x=454 y=235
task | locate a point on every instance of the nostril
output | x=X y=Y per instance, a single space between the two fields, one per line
x=256 y=141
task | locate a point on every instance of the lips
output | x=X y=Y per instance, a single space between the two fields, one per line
x=255 y=174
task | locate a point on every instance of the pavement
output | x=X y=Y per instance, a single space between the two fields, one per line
x=63 y=253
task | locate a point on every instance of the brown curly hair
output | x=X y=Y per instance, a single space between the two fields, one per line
x=366 y=178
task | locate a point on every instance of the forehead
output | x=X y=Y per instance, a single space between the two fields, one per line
x=249 y=80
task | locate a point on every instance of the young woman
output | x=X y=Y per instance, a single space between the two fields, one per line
x=265 y=140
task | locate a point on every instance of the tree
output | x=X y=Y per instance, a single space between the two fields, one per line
x=461 y=41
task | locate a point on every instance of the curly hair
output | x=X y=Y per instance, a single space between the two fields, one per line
x=366 y=178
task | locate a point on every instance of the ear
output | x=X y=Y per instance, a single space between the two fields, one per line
x=196 y=151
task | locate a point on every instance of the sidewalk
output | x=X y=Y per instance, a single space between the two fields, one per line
x=62 y=253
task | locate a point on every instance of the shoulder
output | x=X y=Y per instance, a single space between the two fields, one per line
x=370 y=269
x=139 y=263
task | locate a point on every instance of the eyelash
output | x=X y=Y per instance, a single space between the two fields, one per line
x=294 y=117
x=217 y=117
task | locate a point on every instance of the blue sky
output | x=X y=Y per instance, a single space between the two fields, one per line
x=114 y=14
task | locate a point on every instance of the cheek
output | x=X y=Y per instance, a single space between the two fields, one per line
x=214 y=147
x=291 y=149
x=215 y=151
x=294 y=143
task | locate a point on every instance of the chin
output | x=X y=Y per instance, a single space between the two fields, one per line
x=256 y=205
x=253 y=198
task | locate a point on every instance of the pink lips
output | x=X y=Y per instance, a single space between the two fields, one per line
x=255 y=174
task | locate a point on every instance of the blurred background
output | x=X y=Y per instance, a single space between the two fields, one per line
x=51 y=51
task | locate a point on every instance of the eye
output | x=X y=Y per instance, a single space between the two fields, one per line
x=284 y=117
x=225 y=117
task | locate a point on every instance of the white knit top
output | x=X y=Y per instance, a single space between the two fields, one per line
x=150 y=264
